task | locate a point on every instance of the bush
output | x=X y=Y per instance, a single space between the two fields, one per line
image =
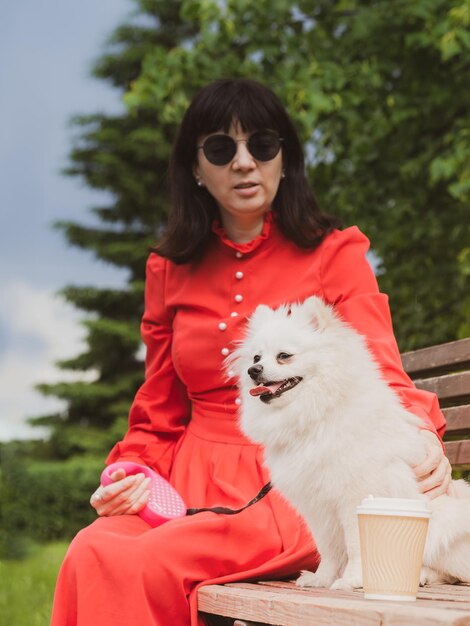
x=45 y=500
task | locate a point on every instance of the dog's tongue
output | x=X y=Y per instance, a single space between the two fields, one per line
x=258 y=391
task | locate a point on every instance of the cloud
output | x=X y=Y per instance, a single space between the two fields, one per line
x=43 y=45
x=37 y=328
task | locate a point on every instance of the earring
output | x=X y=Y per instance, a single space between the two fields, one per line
x=283 y=174
x=199 y=183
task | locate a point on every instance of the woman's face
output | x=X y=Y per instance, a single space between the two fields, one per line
x=244 y=188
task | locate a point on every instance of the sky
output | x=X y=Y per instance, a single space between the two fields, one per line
x=46 y=51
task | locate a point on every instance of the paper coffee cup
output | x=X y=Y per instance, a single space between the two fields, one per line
x=392 y=533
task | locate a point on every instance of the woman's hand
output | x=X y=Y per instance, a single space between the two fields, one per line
x=125 y=496
x=434 y=473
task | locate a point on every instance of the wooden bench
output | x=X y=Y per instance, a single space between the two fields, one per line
x=444 y=369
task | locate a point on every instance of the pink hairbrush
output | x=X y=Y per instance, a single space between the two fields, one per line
x=164 y=503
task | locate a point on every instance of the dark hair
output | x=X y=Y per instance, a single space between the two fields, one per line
x=193 y=209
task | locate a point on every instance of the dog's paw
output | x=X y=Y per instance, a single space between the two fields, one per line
x=348 y=583
x=426 y=576
x=314 y=579
x=429 y=576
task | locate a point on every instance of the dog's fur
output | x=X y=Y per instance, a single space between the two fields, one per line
x=337 y=436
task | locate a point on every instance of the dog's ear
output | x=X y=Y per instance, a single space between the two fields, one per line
x=319 y=313
x=261 y=314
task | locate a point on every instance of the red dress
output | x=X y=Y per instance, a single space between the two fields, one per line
x=183 y=422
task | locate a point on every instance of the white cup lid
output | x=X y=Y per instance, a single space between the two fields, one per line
x=407 y=507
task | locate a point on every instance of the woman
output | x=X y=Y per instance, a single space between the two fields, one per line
x=244 y=229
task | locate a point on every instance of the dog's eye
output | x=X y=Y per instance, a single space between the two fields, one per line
x=283 y=356
x=256 y=358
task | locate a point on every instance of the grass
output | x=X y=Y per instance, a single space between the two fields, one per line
x=27 y=586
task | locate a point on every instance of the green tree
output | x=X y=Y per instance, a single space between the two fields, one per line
x=378 y=97
x=378 y=92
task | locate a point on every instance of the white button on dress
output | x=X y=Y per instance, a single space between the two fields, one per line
x=238 y=401
x=222 y=326
x=238 y=297
x=233 y=314
x=239 y=275
x=225 y=351
x=238 y=255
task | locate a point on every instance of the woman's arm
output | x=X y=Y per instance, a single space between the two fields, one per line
x=159 y=413
x=161 y=409
x=349 y=284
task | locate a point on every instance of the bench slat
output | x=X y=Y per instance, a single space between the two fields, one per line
x=451 y=388
x=458 y=453
x=457 y=593
x=446 y=357
x=458 y=418
x=318 y=607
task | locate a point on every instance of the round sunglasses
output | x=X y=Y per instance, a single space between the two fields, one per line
x=263 y=145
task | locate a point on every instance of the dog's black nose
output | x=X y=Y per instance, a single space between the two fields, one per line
x=255 y=371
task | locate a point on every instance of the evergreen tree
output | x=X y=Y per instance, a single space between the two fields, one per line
x=127 y=156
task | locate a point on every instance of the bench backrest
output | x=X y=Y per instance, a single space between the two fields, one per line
x=445 y=370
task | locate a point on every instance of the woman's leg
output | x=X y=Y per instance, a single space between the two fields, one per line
x=121 y=572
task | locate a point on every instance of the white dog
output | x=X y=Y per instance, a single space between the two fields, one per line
x=333 y=433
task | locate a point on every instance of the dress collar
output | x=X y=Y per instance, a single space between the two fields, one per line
x=248 y=246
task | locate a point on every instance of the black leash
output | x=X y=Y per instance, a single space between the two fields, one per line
x=226 y=511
